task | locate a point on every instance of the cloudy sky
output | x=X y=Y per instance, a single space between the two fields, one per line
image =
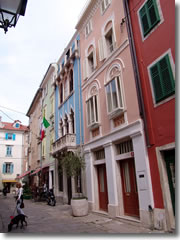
x=38 y=39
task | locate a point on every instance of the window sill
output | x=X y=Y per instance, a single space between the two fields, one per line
x=116 y=113
x=93 y=126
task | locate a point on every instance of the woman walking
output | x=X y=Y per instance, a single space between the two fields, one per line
x=19 y=200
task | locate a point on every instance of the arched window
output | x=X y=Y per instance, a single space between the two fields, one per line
x=114 y=92
x=71 y=82
x=66 y=92
x=92 y=106
x=89 y=63
x=72 y=121
x=61 y=93
x=61 y=130
x=107 y=43
x=66 y=123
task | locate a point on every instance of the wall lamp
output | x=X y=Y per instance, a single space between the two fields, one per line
x=10 y=10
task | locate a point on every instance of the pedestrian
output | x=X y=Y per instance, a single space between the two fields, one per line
x=19 y=199
x=5 y=190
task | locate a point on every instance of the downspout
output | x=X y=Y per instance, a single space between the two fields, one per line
x=136 y=70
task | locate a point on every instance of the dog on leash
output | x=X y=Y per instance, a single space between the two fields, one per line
x=16 y=220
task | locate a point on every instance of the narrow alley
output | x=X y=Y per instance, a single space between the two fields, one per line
x=59 y=220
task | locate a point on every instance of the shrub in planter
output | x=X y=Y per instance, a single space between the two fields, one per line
x=72 y=164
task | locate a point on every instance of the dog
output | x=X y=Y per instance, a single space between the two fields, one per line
x=15 y=220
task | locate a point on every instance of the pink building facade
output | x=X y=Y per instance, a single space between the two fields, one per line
x=117 y=165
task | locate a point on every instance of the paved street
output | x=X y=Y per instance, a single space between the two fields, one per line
x=46 y=219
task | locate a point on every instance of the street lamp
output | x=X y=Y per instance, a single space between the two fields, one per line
x=10 y=10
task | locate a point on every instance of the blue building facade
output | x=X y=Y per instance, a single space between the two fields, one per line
x=69 y=135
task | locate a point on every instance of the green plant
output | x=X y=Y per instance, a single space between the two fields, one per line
x=73 y=163
x=27 y=192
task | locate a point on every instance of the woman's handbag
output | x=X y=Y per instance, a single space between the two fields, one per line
x=22 y=205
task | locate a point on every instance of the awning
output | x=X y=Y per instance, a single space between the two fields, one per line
x=39 y=169
x=9 y=181
x=24 y=174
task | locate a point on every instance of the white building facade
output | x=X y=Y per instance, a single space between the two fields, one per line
x=12 y=153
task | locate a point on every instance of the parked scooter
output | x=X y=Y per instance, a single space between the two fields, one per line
x=50 y=198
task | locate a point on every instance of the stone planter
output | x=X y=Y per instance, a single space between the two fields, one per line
x=79 y=207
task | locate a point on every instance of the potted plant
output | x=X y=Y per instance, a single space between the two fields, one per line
x=73 y=163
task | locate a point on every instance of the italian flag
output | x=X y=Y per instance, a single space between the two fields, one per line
x=45 y=124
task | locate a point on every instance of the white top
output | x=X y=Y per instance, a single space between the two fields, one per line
x=20 y=192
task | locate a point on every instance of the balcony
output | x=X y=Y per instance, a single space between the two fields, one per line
x=67 y=142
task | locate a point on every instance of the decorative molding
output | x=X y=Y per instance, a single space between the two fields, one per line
x=106 y=63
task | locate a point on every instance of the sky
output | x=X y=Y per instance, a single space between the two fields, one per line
x=26 y=51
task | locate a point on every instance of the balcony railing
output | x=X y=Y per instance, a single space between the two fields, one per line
x=67 y=142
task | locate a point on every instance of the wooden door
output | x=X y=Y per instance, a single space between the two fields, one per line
x=129 y=186
x=102 y=185
x=170 y=166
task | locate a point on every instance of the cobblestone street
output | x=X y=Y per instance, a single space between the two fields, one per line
x=46 y=219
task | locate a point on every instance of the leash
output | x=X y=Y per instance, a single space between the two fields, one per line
x=13 y=213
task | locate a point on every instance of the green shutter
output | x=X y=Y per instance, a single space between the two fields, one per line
x=153 y=13
x=149 y=16
x=156 y=80
x=144 y=20
x=162 y=79
x=167 y=76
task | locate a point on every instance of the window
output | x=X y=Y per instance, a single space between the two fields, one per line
x=8 y=168
x=88 y=28
x=100 y=154
x=149 y=16
x=114 y=95
x=66 y=123
x=9 y=151
x=89 y=62
x=107 y=43
x=110 y=43
x=17 y=125
x=52 y=104
x=104 y=5
x=71 y=87
x=51 y=142
x=124 y=147
x=72 y=122
x=10 y=136
x=162 y=79
x=61 y=129
x=92 y=110
x=61 y=93
x=66 y=92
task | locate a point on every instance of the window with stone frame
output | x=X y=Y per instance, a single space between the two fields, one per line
x=92 y=107
x=107 y=43
x=114 y=92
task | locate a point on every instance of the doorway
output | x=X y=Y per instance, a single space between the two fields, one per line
x=102 y=187
x=129 y=187
x=69 y=190
x=169 y=157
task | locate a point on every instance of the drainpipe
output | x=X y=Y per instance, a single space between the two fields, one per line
x=136 y=70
